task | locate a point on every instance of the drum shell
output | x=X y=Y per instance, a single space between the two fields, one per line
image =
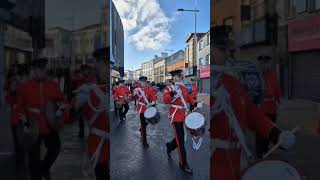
x=118 y=104
x=197 y=132
x=154 y=120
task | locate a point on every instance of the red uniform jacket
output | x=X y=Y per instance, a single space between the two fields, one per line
x=101 y=123
x=194 y=91
x=179 y=115
x=114 y=92
x=36 y=95
x=225 y=164
x=120 y=93
x=272 y=93
x=150 y=95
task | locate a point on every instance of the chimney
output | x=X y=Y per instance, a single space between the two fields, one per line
x=156 y=56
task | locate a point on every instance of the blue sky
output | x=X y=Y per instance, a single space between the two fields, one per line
x=155 y=25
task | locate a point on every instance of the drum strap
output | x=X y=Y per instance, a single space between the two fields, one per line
x=176 y=107
x=141 y=105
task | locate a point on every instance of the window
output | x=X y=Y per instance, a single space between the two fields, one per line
x=317 y=4
x=207 y=60
x=200 y=44
x=208 y=39
x=228 y=21
x=200 y=62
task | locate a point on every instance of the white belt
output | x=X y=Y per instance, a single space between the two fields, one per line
x=175 y=111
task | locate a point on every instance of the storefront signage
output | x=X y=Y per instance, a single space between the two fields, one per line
x=304 y=34
x=204 y=72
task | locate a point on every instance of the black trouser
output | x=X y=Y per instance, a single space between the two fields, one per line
x=37 y=167
x=19 y=151
x=81 y=127
x=262 y=143
x=122 y=113
x=102 y=171
x=143 y=127
x=178 y=142
x=192 y=106
x=115 y=108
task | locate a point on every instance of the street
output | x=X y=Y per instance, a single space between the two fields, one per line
x=129 y=160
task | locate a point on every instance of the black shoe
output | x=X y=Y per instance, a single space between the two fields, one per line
x=186 y=169
x=168 y=150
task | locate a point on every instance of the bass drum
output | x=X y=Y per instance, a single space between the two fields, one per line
x=271 y=170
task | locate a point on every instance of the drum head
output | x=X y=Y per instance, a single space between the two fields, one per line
x=150 y=112
x=271 y=169
x=194 y=120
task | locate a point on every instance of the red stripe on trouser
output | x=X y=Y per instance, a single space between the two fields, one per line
x=178 y=144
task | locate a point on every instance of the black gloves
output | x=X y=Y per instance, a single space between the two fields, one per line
x=195 y=104
x=172 y=93
x=274 y=135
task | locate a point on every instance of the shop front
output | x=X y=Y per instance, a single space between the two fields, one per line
x=205 y=79
x=304 y=53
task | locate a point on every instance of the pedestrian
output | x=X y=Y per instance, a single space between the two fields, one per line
x=33 y=98
x=93 y=107
x=145 y=97
x=194 y=92
x=176 y=96
x=270 y=101
x=123 y=95
x=234 y=114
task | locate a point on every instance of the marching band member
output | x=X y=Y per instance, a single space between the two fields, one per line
x=32 y=101
x=145 y=96
x=194 y=92
x=232 y=113
x=123 y=94
x=114 y=88
x=176 y=96
x=271 y=99
x=92 y=102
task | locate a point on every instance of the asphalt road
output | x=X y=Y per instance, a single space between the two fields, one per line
x=130 y=161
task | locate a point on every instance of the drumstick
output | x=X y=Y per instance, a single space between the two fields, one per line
x=278 y=144
x=196 y=107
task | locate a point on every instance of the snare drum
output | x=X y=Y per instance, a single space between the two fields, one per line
x=152 y=116
x=271 y=169
x=195 y=124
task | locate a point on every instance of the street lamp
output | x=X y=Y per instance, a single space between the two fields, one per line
x=195 y=11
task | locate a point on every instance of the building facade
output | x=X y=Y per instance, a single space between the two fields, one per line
x=174 y=62
x=128 y=76
x=58 y=47
x=203 y=63
x=137 y=74
x=147 y=70
x=116 y=40
x=159 y=70
x=298 y=49
x=190 y=54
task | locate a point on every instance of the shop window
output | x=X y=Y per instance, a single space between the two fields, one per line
x=300 y=5
x=317 y=4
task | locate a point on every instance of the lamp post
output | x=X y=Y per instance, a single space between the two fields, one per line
x=195 y=11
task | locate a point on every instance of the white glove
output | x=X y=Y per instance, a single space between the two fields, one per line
x=199 y=105
x=287 y=139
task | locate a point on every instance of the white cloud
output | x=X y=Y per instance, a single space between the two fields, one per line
x=145 y=24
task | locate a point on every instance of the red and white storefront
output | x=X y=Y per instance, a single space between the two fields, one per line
x=304 y=55
x=204 y=86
